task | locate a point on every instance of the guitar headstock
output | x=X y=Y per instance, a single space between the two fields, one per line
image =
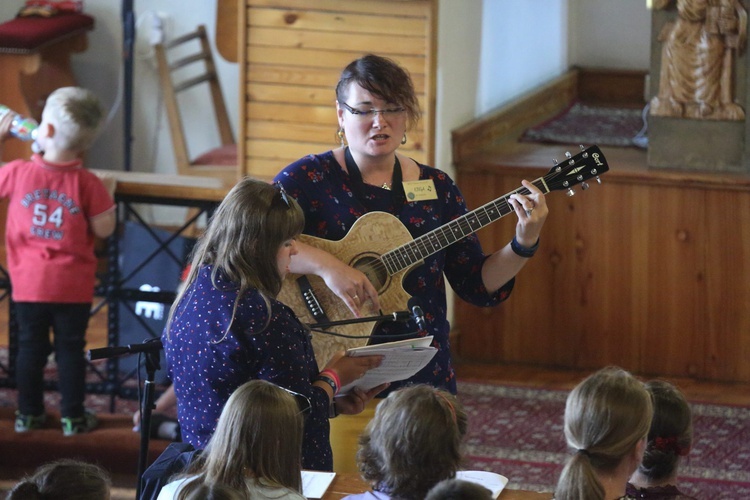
x=588 y=164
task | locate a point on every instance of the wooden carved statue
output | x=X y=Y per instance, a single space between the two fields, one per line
x=699 y=53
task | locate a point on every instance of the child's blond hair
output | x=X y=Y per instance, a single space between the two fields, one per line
x=76 y=115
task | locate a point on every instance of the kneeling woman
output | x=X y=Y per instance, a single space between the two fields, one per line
x=226 y=327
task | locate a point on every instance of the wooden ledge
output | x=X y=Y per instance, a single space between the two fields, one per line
x=626 y=165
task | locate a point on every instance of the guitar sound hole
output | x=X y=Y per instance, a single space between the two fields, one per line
x=374 y=270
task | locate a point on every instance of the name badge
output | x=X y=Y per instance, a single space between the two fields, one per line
x=420 y=190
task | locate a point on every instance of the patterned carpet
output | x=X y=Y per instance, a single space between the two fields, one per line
x=584 y=124
x=518 y=432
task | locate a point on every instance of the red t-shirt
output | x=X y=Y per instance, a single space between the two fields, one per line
x=48 y=239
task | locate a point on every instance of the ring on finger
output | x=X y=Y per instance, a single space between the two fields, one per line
x=528 y=212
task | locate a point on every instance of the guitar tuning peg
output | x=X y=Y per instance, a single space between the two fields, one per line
x=554 y=161
x=567 y=154
x=570 y=192
x=581 y=146
x=584 y=185
x=598 y=179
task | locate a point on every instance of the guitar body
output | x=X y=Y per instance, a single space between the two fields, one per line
x=371 y=236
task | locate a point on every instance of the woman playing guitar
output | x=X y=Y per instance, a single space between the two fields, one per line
x=376 y=104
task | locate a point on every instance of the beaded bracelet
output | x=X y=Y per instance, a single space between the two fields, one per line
x=331 y=373
x=328 y=381
x=522 y=251
x=331 y=378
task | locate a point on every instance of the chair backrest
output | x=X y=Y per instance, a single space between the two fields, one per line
x=191 y=64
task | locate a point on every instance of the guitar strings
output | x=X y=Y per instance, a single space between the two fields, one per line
x=378 y=267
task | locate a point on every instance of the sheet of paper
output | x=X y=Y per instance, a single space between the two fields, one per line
x=316 y=483
x=401 y=360
x=490 y=480
x=416 y=342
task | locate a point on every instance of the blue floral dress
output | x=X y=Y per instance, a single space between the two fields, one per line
x=206 y=365
x=324 y=191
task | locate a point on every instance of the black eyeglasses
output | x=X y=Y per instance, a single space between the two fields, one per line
x=282 y=193
x=303 y=402
x=363 y=114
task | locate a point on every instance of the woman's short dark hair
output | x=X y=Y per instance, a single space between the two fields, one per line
x=383 y=78
x=413 y=441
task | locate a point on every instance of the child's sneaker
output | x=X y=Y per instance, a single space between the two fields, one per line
x=78 y=425
x=26 y=423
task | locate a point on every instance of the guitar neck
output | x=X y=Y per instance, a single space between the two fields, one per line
x=422 y=247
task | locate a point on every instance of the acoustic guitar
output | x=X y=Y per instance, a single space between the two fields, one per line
x=380 y=246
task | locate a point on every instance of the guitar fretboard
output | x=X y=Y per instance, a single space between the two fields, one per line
x=422 y=247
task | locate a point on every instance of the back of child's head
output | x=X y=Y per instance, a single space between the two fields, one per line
x=671 y=433
x=606 y=416
x=76 y=114
x=259 y=434
x=245 y=232
x=64 y=479
x=458 y=489
x=413 y=442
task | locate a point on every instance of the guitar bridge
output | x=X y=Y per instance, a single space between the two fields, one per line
x=311 y=301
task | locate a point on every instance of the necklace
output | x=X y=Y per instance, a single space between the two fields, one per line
x=396 y=187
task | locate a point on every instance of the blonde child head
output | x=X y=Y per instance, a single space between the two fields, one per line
x=75 y=115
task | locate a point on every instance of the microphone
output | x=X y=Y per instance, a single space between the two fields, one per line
x=154 y=345
x=414 y=305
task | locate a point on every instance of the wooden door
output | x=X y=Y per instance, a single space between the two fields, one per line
x=292 y=54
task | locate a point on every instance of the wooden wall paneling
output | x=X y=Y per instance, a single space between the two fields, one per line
x=611 y=87
x=619 y=279
x=646 y=271
x=588 y=247
x=727 y=246
x=407 y=7
x=523 y=328
x=292 y=54
x=480 y=333
x=674 y=257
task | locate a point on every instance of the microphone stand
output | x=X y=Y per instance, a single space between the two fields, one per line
x=151 y=350
x=396 y=316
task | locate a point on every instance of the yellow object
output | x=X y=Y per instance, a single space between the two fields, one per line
x=345 y=431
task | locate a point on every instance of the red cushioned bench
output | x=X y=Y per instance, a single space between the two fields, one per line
x=34 y=61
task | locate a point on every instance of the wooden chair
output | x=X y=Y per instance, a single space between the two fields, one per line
x=180 y=75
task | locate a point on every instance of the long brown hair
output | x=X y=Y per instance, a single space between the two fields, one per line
x=259 y=433
x=243 y=237
x=413 y=441
x=605 y=417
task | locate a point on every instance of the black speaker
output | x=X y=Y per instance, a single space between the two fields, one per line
x=148 y=264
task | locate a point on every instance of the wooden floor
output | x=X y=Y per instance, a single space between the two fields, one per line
x=695 y=390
